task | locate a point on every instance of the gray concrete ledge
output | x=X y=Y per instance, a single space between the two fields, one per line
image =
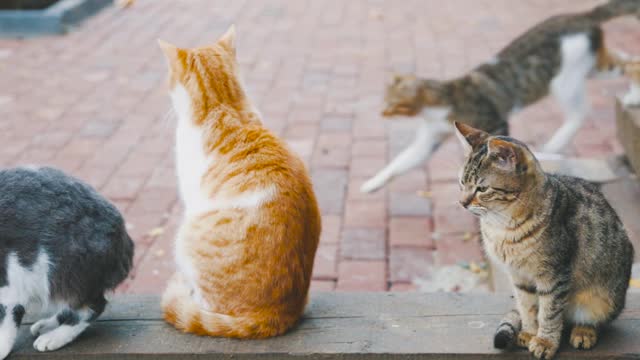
x=56 y=19
x=335 y=326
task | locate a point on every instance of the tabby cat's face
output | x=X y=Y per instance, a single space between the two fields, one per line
x=497 y=172
x=403 y=97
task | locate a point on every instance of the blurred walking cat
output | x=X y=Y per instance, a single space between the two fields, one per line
x=556 y=56
x=563 y=245
x=246 y=245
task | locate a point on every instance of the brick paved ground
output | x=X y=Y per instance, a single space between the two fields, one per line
x=94 y=104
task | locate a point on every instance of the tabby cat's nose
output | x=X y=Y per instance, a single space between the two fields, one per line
x=466 y=200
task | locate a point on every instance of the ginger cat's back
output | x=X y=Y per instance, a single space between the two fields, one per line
x=246 y=247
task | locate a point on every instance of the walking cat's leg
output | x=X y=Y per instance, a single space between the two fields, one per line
x=10 y=320
x=431 y=133
x=568 y=87
x=575 y=108
x=553 y=298
x=65 y=326
x=527 y=305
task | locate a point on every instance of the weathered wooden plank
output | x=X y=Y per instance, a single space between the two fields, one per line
x=336 y=325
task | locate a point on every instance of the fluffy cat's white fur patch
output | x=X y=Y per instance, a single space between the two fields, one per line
x=59 y=337
x=27 y=287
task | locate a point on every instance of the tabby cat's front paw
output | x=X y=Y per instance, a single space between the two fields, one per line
x=542 y=348
x=523 y=339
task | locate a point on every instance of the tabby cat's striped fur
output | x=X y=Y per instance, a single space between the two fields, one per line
x=555 y=56
x=563 y=245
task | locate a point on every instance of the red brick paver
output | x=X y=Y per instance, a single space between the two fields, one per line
x=94 y=103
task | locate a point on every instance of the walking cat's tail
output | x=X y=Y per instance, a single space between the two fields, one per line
x=507 y=331
x=615 y=8
x=183 y=312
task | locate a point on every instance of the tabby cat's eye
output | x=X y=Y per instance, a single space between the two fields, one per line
x=482 y=189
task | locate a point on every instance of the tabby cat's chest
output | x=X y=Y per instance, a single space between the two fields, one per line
x=509 y=247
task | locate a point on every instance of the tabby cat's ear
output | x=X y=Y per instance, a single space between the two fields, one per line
x=171 y=52
x=229 y=39
x=504 y=153
x=469 y=137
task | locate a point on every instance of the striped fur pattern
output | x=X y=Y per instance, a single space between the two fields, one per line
x=519 y=75
x=554 y=57
x=246 y=245
x=567 y=253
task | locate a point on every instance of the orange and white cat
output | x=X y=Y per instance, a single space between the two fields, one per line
x=246 y=245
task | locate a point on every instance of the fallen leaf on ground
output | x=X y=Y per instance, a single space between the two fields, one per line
x=376 y=14
x=424 y=194
x=156 y=232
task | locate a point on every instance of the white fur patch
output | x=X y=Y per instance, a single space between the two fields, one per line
x=580 y=315
x=568 y=86
x=191 y=162
x=59 y=337
x=493 y=61
x=247 y=200
x=436 y=113
x=433 y=130
x=27 y=286
x=632 y=98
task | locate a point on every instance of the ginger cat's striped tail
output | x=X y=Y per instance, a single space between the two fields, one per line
x=186 y=314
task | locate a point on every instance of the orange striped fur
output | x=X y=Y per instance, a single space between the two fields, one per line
x=246 y=246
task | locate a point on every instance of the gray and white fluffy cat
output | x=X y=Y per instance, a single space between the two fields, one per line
x=62 y=245
x=556 y=56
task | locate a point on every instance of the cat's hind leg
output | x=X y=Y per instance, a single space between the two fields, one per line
x=588 y=309
x=10 y=320
x=66 y=325
x=431 y=133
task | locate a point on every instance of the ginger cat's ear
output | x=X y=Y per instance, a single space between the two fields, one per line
x=504 y=153
x=171 y=52
x=469 y=137
x=229 y=39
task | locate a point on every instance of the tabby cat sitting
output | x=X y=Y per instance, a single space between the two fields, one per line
x=564 y=247
x=556 y=56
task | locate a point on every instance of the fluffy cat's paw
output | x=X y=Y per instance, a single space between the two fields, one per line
x=583 y=337
x=54 y=340
x=523 y=339
x=42 y=327
x=372 y=185
x=542 y=348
